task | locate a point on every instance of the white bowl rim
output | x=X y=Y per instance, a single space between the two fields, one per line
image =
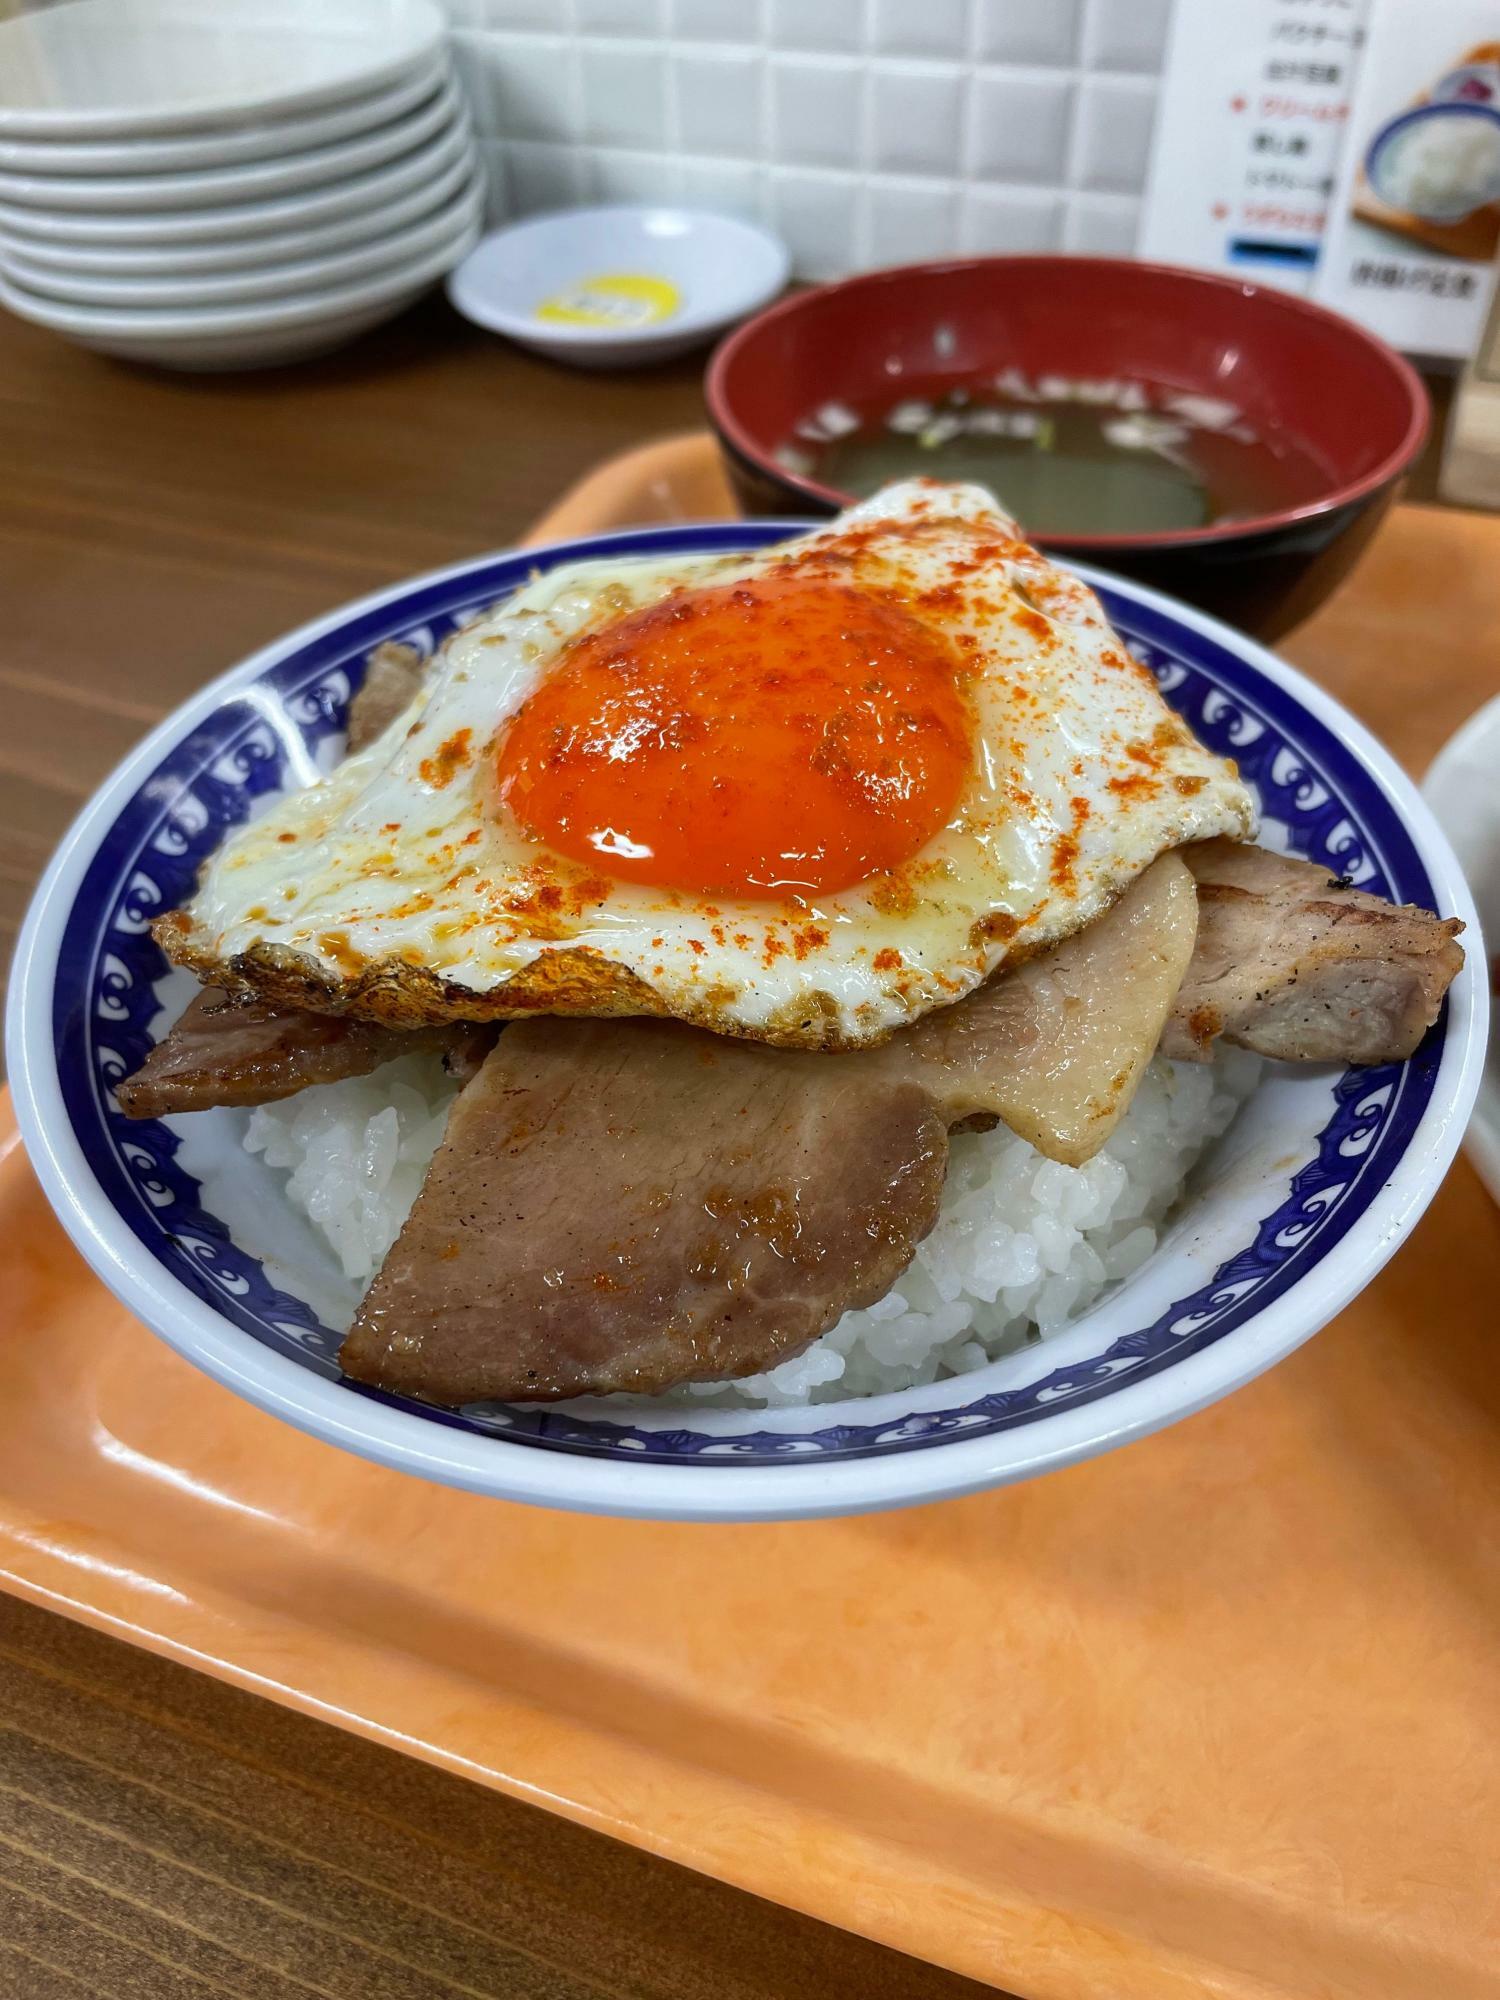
x=247 y=284
x=359 y=194
x=1460 y=746
x=238 y=143
x=297 y=309
x=407 y=30
x=266 y=347
x=211 y=188
x=782 y=1490
x=1480 y=731
x=208 y=259
x=481 y=308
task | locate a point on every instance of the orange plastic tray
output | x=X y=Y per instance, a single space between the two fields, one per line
x=1214 y=1715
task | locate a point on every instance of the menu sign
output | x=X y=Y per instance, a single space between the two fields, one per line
x=1255 y=101
x=1415 y=222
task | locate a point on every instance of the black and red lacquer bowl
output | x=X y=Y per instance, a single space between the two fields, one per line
x=1356 y=412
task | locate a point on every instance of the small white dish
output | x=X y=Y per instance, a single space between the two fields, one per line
x=244 y=336
x=223 y=148
x=361 y=194
x=280 y=246
x=213 y=187
x=618 y=287
x=104 y=69
x=1463 y=790
x=456 y=219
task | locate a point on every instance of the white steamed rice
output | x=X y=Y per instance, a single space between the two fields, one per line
x=1021 y=1247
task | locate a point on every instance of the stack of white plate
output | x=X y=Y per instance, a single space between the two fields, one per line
x=229 y=183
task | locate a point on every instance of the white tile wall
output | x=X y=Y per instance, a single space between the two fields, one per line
x=1027 y=31
x=833 y=25
x=817 y=111
x=865 y=131
x=697 y=20
x=720 y=100
x=1115 y=115
x=1020 y=122
x=916 y=118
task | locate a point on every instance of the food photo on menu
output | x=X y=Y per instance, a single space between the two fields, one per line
x=748 y=1092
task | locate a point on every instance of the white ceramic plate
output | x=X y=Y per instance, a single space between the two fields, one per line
x=244 y=336
x=456 y=220
x=263 y=347
x=1463 y=789
x=106 y=69
x=232 y=143
x=31 y=255
x=361 y=195
x=214 y=187
x=701 y=273
x=1292 y=1212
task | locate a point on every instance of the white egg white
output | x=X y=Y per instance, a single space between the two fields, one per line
x=405 y=856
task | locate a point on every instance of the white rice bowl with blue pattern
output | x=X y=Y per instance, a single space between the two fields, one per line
x=1027 y=1332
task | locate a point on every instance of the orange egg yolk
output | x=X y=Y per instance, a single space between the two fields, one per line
x=787 y=733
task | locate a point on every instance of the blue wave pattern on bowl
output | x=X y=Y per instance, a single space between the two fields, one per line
x=268 y=737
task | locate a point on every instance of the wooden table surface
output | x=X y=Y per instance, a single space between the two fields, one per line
x=161 y=1835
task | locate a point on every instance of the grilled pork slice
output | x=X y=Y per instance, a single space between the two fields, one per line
x=1292 y=963
x=634 y=1204
x=1056 y=1048
x=227 y=1051
x=391 y=681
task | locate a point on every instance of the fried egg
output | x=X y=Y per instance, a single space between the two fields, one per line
x=802 y=795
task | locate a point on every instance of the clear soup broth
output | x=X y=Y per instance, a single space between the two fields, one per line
x=1065 y=457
